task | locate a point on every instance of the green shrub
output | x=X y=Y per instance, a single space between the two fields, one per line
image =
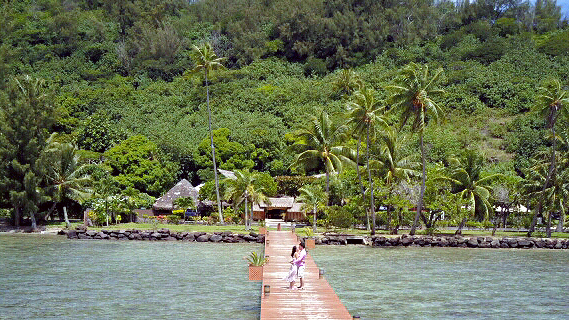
x=556 y=44
x=315 y=66
x=173 y=219
x=229 y=215
x=5 y=213
x=339 y=217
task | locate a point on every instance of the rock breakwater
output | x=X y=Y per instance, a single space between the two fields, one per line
x=447 y=241
x=163 y=235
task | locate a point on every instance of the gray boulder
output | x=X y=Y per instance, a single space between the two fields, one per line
x=203 y=238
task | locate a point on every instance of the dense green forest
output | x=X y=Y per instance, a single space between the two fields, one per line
x=102 y=93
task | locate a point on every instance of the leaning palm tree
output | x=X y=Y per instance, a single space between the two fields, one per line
x=365 y=114
x=553 y=101
x=467 y=181
x=321 y=143
x=205 y=59
x=554 y=196
x=64 y=176
x=412 y=97
x=243 y=188
x=313 y=198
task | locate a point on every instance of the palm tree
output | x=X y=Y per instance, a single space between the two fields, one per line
x=364 y=115
x=346 y=83
x=320 y=142
x=243 y=188
x=392 y=164
x=313 y=198
x=552 y=102
x=553 y=196
x=205 y=59
x=466 y=180
x=64 y=176
x=411 y=97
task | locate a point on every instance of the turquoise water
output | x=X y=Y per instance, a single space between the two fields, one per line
x=50 y=277
x=448 y=283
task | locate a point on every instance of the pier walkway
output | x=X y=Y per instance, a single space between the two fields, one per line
x=316 y=301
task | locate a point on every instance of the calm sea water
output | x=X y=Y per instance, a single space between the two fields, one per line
x=448 y=283
x=49 y=277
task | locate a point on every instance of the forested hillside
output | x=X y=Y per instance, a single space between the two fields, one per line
x=118 y=83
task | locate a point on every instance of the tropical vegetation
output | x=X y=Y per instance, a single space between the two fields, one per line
x=135 y=98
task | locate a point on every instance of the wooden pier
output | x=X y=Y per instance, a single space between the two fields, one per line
x=316 y=301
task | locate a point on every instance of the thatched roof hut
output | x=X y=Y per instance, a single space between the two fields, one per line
x=182 y=189
x=286 y=208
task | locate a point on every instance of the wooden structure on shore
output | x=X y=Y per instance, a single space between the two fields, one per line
x=316 y=301
x=285 y=208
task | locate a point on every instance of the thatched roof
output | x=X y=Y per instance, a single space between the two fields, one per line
x=278 y=203
x=296 y=207
x=182 y=189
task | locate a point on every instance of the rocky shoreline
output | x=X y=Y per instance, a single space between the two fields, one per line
x=329 y=239
x=163 y=235
x=449 y=241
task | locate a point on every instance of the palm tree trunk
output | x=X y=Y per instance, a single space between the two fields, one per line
x=67 y=223
x=17 y=216
x=372 y=205
x=247 y=224
x=360 y=176
x=213 y=150
x=560 y=223
x=549 y=175
x=459 y=230
x=328 y=185
x=420 y=204
x=314 y=224
x=548 y=227
x=33 y=218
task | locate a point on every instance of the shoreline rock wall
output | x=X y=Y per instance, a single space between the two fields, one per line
x=449 y=241
x=164 y=235
x=375 y=241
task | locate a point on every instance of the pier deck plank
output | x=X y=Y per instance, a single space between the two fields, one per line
x=316 y=301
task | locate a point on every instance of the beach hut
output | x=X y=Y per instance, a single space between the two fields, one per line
x=165 y=204
x=285 y=208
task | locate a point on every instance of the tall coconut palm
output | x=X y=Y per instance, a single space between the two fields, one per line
x=392 y=164
x=64 y=176
x=467 y=181
x=205 y=59
x=243 y=188
x=320 y=142
x=552 y=102
x=365 y=114
x=313 y=198
x=412 y=97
